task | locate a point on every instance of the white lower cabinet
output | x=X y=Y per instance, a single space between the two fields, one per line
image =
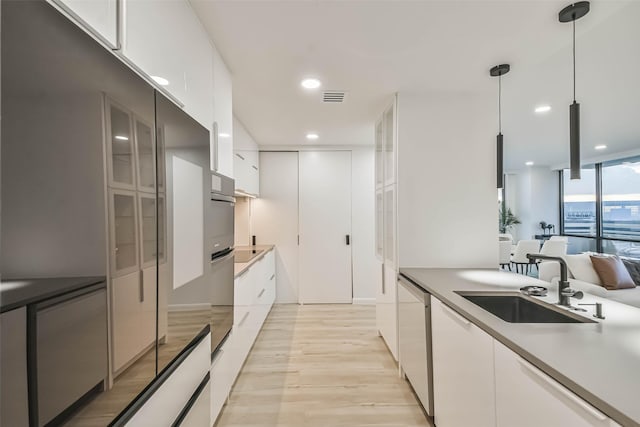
x=255 y=292
x=463 y=373
x=477 y=381
x=527 y=397
x=387 y=309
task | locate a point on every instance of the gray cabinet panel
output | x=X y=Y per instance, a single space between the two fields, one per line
x=13 y=366
x=71 y=351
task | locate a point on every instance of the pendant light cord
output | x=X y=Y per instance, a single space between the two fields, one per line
x=574 y=60
x=500 y=103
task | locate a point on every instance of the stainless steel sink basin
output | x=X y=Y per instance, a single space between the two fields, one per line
x=514 y=307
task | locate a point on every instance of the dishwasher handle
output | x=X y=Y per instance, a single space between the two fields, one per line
x=414 y=289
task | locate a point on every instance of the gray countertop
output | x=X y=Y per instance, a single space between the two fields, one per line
x=599 y=362
x=241 y=267
x=16 y=293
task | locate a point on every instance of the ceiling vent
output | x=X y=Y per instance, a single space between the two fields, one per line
x=334 y=96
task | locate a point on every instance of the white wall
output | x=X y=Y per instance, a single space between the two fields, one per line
x=242 y=221
x=535 y=191
x=447 y=210
x=366 y=268
x=274 y=218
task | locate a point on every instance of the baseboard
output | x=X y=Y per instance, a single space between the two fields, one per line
x=189 y=307
x=364 y=301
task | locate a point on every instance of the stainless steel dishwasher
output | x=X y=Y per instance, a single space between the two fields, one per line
x=414 y=337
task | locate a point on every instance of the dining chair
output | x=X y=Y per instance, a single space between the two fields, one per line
x=504 y=254
x=519 y=257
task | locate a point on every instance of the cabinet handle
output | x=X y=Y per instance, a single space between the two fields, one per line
x=261 y=292
x=453 y=314
x=255 y=167
x=273 y=276
x=243 y=318
x=141 y=286
x=348 y=239
x=239 y=156
x=384 y=290
x=563 y=391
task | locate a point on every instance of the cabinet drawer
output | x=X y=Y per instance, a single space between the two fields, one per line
x=527 y=397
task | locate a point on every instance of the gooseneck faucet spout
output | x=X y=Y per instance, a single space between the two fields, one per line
x=564 y=291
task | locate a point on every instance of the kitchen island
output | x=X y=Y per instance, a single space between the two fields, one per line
x=593 y=365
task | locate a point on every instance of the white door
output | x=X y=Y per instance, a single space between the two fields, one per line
x=325 y=227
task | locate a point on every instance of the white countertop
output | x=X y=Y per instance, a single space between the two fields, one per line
x=241 y=267
x=600 y=362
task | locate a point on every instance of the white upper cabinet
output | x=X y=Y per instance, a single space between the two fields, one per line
x=165 y=39
x=222 y=152
x=246 y=160
x=99 y=17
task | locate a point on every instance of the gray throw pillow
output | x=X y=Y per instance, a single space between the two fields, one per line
x=633 y=265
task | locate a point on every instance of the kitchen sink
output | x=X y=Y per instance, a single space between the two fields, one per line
x=514 y=307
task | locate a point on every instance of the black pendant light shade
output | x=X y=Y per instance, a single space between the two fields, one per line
x=574 y=139
x=571 y=14
x=499 y=71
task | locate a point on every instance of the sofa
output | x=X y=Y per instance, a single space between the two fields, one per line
x=583 y=277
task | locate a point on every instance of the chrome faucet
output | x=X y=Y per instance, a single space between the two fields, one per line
x=565 y=293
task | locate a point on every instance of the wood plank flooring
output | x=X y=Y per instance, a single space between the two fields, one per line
x=324 y=366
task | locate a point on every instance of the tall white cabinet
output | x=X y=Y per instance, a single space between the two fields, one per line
x=386 y=213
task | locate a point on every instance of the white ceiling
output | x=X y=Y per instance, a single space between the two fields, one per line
x=373 y=49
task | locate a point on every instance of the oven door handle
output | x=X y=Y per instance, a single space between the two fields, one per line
x=222 y=256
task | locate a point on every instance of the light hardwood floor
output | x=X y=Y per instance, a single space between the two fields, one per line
x=321 y=366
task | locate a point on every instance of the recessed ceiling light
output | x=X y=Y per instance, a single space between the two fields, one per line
x=121 y=137
x=223 y=135
x=310 y=83
x=529 y=163
x=543 y=109
x=312 y=136
x=160 y=80
x=600 y=147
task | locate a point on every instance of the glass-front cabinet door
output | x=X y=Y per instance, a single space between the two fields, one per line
x=124 y=232
x=389 y=145
x=121 y=158
x=390 y=224
x=379 y=155
x=147 y=211
x=146 y=156
x=379 y=224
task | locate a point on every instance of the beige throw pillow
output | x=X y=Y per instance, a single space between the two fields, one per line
x=582 y=269
x=612 y=272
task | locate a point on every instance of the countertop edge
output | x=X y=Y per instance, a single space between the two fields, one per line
x=565 y=381
x=84 y=282
x=245 y=266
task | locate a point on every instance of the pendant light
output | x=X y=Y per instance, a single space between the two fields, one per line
x=498 y=71
x=571 y=14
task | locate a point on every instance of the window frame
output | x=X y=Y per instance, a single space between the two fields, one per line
x=599 y=238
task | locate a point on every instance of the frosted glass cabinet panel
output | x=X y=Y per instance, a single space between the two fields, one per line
x=146 y=157
x=379 y=155
x=120 y=147
x=148 y=228
x=124 y=241
x=379 y=224
x=389 y=224
x=389 y=145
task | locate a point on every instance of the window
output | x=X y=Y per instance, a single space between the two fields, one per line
x=621 y=199
x=601 y=211
x=580 y=203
